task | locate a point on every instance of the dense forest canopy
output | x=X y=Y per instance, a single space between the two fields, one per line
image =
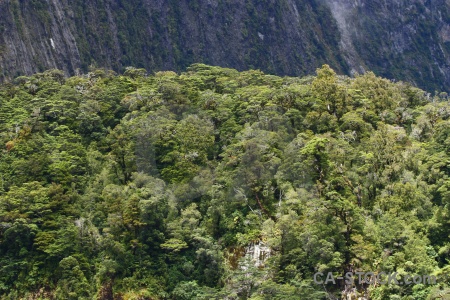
x=140 y=186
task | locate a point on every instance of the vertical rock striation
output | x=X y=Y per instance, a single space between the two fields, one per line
x=36 y=35
x=289 y=37
x=400 y=39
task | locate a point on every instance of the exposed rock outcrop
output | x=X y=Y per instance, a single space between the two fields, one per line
x=400 y=39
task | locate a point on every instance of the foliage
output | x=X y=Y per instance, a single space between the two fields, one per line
x=142 y=186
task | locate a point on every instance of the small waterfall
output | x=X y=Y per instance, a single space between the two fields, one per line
x=258 y=253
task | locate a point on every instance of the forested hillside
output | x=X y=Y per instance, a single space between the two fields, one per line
x=141 y=186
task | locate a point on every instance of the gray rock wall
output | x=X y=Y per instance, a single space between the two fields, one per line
x=400 y=39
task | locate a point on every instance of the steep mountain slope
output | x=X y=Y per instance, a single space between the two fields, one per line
x=284 y=37
x=399 y=39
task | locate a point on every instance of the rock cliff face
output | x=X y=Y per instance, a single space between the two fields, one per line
x=400 y=39
x=36 y=35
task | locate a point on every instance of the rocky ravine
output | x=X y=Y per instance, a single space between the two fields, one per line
x=398 y=39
